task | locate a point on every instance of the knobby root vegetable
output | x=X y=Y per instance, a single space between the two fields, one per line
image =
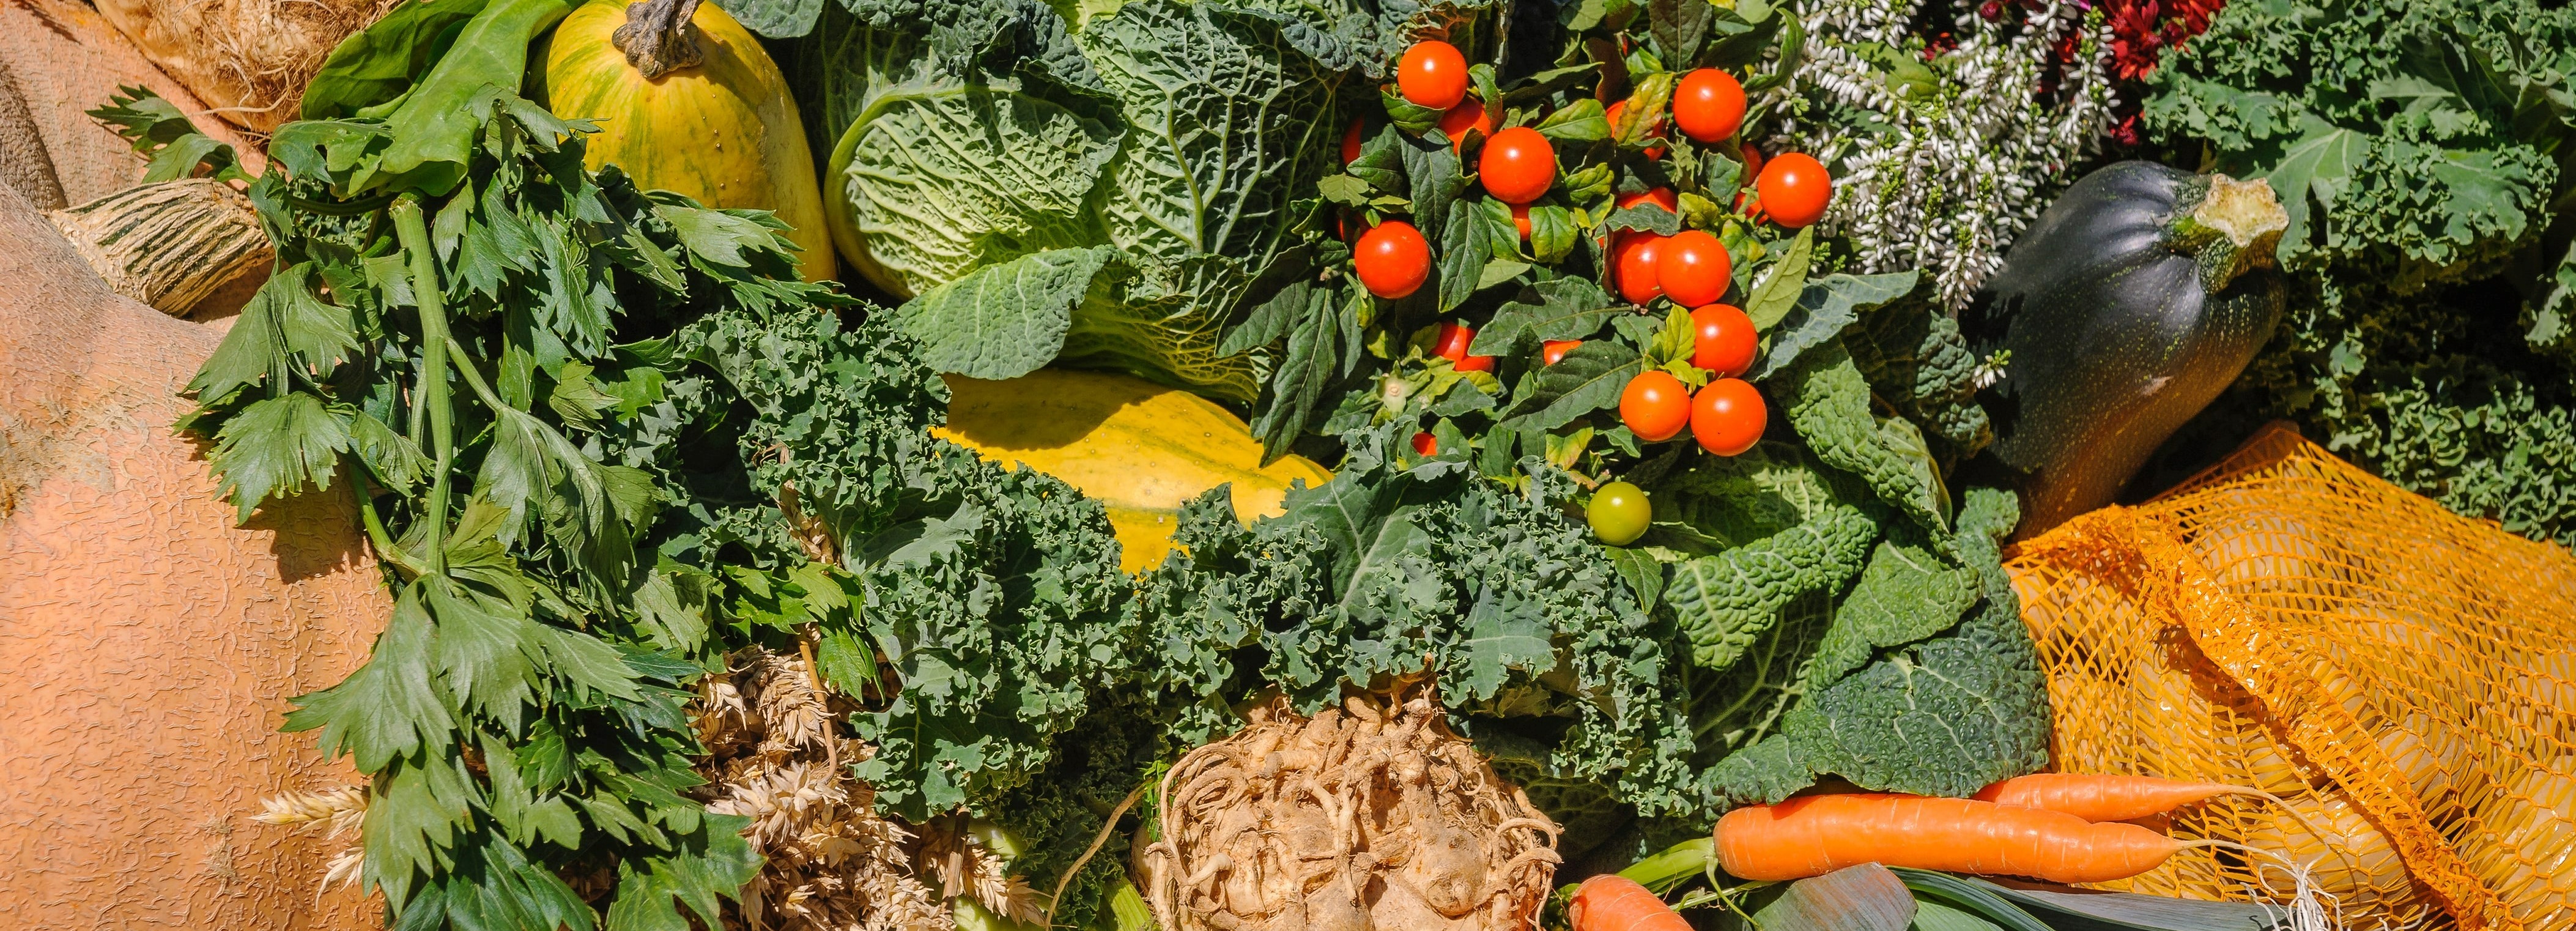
x=1819 y=834
x=168 y=244
x=1611 y=902
x=151 y=645
x=59 y=58
x=2105 y=797
x=1371 y=815
x=248 y=58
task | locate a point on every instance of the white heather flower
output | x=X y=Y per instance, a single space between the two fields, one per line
x=1945 y=182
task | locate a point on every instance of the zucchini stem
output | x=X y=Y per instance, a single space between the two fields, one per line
x=2228 y=227
x=412 y=231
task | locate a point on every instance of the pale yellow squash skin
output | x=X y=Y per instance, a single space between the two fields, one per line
x=724 y=131
x=1140 y=448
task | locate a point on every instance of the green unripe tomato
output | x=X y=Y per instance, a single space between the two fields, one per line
x=1619 y=513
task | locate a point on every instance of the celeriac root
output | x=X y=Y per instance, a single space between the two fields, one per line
x=1372 y=815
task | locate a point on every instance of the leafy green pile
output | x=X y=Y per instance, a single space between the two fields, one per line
x=1818 y=606
x=602 y=438
x=2424 y=149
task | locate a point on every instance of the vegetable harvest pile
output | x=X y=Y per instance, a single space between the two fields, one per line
x=1252 y=463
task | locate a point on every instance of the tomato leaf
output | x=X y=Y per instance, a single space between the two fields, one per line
x=1552 y=233
x=1560 y=308
x=1580 y=121
x=1779 y=292
x=1648 y=217
x=1462 y=259
x=1587 y=379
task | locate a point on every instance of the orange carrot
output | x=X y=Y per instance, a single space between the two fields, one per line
x=1611 y=902
x=1819 y=834
x=2105 y=798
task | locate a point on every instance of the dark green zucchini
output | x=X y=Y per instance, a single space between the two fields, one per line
x=2130 y=304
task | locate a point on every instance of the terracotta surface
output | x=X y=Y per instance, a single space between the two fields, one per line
x=147 y=646
x=62 y=58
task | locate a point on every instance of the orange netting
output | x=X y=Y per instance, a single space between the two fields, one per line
x=2404 y=678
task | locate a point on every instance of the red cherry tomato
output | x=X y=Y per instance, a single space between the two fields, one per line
x=1722 y=340
x=1517 y=166
x=1392 y=259
x=1694 y=269
x=1552 y=350
x=1727 y=417
x=1633 y=257
x=1463 y=117
x=1424 y=444
x=1655 y=406
x=1351 y=143
x=1660 y=197
x=1432 y=74
x=1452 y=345
x=1794 y=189
x=1520 y=220
x=1655 y=131
x=1452 y=342
x=1708 y=105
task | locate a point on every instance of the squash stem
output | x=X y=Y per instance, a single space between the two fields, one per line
x=657 y=37
x=2228 y=227
x=412 y=231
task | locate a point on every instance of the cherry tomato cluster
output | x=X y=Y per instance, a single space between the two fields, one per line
x=1692 y=268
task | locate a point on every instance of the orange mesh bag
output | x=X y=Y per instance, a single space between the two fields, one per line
x=2402 y=678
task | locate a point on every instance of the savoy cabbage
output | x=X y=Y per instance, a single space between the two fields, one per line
x=1102 y=192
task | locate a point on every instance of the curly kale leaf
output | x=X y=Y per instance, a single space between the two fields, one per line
x=2412 y=140
x=993 y=593
x=998 y=599
x=1828 y=401
x=1386 y=566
